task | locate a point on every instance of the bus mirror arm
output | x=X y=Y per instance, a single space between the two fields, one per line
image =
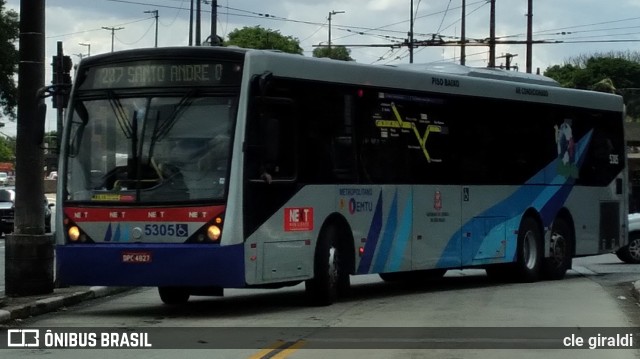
x=264 y=81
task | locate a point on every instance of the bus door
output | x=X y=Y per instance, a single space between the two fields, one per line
x=436 y=226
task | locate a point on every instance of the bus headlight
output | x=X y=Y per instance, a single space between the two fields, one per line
x=213 y=232
x=74 y=233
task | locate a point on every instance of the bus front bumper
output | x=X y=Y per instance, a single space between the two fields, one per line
x=151 y=265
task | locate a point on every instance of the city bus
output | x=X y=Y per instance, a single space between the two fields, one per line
x=203 y=168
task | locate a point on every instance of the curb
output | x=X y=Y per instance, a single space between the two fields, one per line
x=55 y=302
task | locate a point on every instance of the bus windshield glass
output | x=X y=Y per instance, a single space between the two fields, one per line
x=151 y=148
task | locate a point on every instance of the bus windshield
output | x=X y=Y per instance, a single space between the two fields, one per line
x=132 y=148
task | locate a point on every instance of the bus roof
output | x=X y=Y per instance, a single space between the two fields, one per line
x=436 y=77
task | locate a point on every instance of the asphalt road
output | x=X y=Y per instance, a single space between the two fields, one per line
x=595 y=295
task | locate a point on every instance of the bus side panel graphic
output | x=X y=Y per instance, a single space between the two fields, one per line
x=547 y=200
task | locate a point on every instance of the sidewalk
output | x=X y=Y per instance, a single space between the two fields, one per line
x=14 y=308
x=24 y=307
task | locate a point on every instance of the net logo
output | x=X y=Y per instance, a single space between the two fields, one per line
x=298 y=219
x=23 y=338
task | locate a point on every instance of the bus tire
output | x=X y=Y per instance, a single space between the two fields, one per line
x=173 y=295
x=560 y=251
x=529 y=251
x=330 y=276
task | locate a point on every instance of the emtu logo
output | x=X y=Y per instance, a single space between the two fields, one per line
x=23 y=338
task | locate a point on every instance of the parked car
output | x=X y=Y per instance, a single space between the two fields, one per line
x=4 y=178
x=631 y=252
x=7 y=211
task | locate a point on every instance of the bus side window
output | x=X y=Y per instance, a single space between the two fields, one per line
x=277 y=158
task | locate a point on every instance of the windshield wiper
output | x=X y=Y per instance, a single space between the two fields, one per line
x=120 y=113
x=163 y=129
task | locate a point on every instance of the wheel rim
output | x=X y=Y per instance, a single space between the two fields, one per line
x=530 y=250
x=634 y=249
x=333 y=267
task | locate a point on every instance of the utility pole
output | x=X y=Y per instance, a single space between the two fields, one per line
x=155 y=13
x=492 y=35
x=411 y=34
x=59 y=93
x=88 y=50
x=191 y=24
x=113 y=33
x=509 y=59
x=198 y=21
x=214 y=22
x=29 y=251
x=333 y=12
x=529 y=36
x=463 y=36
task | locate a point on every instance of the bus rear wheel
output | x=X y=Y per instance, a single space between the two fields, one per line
x=173 y=295
x=560 y=251
x=330 y=276
x=529 y=251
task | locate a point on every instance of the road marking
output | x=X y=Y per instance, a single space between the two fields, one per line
x=279 y=350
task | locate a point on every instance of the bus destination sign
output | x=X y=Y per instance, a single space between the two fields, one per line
x=162 y=74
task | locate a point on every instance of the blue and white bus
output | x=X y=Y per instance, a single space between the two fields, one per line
x=203 y=168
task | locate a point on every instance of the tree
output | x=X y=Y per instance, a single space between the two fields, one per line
x=9 y=33
x=605 y=73
x=622 y=73
x=7 y=149
x=337 y=53
x=564 y=74
x=267 y=39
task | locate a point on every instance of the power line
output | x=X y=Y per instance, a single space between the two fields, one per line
x=139 y=39
x=96 y=29
x=443 y=17
x=385 y=31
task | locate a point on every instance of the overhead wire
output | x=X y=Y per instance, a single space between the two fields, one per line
x=96 y=29
x=359 y=30
x=176 y=15
x=443 y=17
x=140 y=38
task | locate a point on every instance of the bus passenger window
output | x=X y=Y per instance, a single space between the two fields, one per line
x=276 y=144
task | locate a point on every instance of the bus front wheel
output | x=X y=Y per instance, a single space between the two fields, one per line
x=173 y=295
x=330 y=275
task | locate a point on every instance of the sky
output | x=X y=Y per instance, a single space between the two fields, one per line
x=583 y=27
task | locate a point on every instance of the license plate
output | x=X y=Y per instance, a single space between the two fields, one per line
x=136 y=257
